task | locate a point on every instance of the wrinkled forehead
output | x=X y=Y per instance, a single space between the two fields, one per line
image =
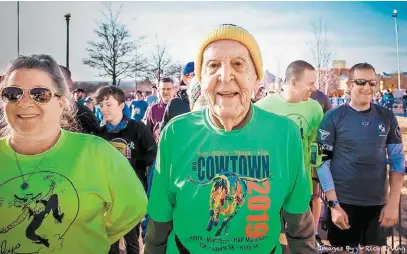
x=226 y=49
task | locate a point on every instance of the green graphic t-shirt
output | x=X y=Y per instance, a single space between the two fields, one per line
x=82 y=197
x=306 y=114
x=224 y=190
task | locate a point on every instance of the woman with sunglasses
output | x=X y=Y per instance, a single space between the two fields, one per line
x=60 y=191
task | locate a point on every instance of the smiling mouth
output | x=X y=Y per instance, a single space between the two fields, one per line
x=31 y=116
x=228 y=95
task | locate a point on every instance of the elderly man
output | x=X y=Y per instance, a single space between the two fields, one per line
x=223 y=190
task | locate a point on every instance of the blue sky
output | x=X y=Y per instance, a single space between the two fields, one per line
x=357 y=31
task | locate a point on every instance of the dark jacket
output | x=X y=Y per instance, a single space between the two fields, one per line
x=136 y=142
x=176 y=107
x=87 y=120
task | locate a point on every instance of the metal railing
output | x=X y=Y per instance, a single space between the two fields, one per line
x=394 y=233
x=399 y=248
x=395 y=104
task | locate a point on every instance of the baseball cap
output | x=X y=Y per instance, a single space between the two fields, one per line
x=78 y=90
x=189 y=68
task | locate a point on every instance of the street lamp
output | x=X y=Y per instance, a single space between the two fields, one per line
x=18 y=28
x=397 y=45
x=67 y=18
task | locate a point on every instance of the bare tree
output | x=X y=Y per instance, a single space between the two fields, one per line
x=174 y=71
x=112 y=53
x=160 y=60
x=139 y=65
x=320 y=52
x=330 y=80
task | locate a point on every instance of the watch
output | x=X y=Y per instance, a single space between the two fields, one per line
x=333 y=203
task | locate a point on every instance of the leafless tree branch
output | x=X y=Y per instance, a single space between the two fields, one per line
x=321 y=53
x=160 y=60
x=112 y=52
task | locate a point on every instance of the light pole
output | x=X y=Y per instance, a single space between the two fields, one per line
x=397 y=45
x=18 y=28
x=67 y=18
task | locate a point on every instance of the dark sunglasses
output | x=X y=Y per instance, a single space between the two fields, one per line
x=363 y=82
x=40 y=95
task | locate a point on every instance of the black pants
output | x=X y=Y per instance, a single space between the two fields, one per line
x=364 y=227
x=131 y=239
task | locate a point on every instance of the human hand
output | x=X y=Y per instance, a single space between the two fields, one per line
x=389 y=215
x=340 y=218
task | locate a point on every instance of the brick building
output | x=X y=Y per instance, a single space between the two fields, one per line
x=337 y=84
x=129 y=87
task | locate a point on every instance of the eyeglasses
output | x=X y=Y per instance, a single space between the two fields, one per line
x=40 y=95
x=363 y=82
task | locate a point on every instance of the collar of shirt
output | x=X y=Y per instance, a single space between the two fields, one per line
x=116 y=129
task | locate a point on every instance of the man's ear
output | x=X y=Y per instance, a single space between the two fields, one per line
x=349 y=85
x=256 y=86
x=291 y=82
x=121 y=106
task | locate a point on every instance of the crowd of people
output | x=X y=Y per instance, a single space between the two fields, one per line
x=205 y=165
x=385 y=99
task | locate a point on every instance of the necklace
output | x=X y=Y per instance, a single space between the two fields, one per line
x=25 y=182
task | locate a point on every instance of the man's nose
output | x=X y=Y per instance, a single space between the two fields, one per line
x=225 y=73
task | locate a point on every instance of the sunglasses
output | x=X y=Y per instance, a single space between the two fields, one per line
x=363 y=82
x=40 y=95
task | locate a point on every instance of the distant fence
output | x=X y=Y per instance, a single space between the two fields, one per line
x=396 y=241
x=396 y=104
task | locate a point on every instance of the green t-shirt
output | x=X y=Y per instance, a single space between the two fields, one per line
x=306 y=114
x=224 y=190
x=83 y=197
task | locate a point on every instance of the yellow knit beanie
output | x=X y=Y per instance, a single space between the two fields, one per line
x=235 y=33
